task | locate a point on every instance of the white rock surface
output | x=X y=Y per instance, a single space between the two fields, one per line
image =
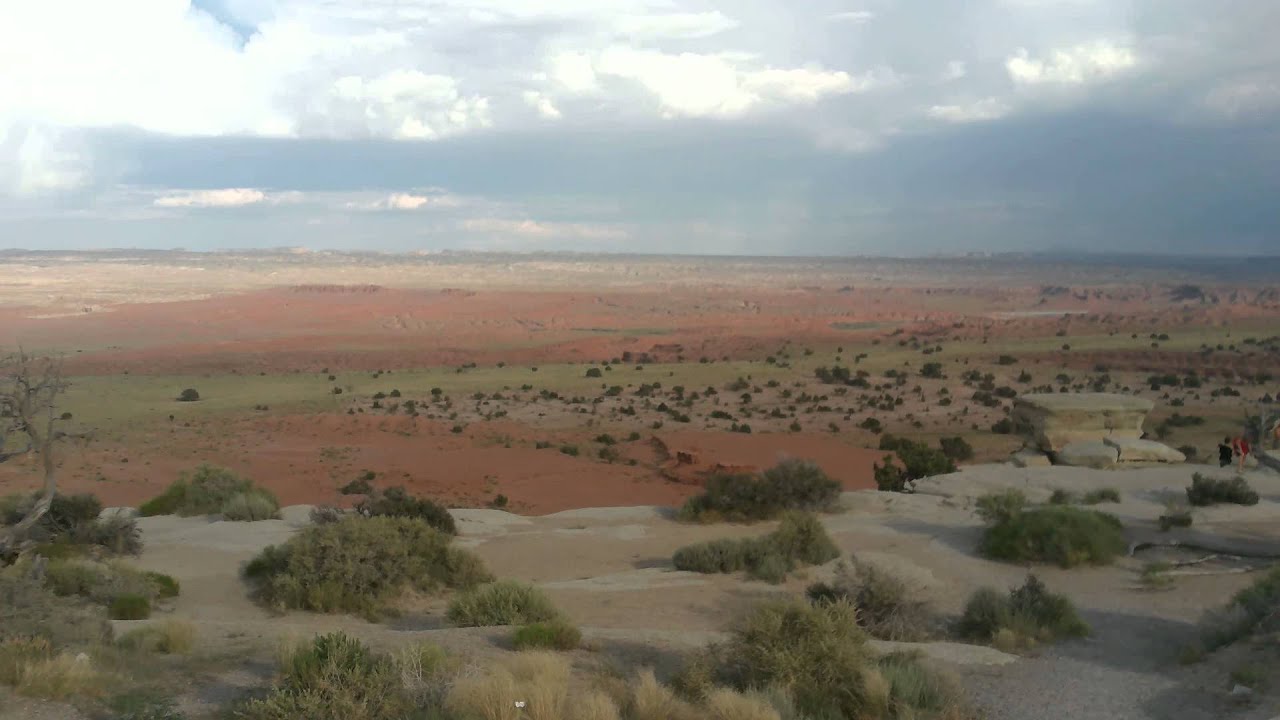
x=1137 y=450
x=1092 y=454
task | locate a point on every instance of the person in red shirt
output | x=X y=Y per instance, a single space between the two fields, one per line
x=1241 y=447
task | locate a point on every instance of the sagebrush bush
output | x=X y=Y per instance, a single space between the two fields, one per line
x=800 y=539
x=790 y=485
x=73 y=520
x=1252 y=611
x=129 y=606
x=818 y=657
x=1023 y=617
x=202 y=492
x=333 y=678
x=887 y=608
x=1101 y=495
x=917 y=459
x=396 y=502
x=505 y=602
x=171 y=637
x=251 y=505
x=97 y=581
x=1061 y=534
x=1212 y=491
x=166 y=586
x=29 y=609
x=1000 y=506
x=556 y=634
x=360 y=565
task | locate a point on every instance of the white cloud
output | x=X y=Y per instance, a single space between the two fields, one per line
x=985 y=109
x=696 y=84
x=37 y=159
x=852 y=16
x=228 y=197
x=1071 y=66
x=956 y=69
x=574 y=71
x=406 y=201
x=543 y=104
x=676 y=25
x=536 y=230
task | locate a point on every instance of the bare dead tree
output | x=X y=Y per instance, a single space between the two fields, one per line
x=29 y=390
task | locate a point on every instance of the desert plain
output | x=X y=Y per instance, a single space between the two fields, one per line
x=564 y=406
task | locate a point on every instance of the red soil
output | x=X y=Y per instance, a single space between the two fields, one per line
x=305 y=458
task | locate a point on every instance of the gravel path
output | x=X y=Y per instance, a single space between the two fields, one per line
x=1126 y=671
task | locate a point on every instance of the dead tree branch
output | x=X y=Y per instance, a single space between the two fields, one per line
x=29 y=390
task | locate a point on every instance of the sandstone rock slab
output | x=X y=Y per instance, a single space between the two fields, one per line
x=1093 y=454
x=1132 y=450
x=1054 y=420
x=1027 y=457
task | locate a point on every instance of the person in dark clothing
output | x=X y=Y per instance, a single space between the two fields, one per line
x=1225 y=452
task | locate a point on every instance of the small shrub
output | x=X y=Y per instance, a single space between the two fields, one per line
x=1212 y=491
x=789 y=485
x=29 y=609
x=359 y=486
x=166 y=586
x=799 y=540
x=325 y=514
x=1175 y=517
x=815 y=660
x=551 y=635
x=144 y=705
x=1062 y=497
x=335 y=678
x=202 y=492
x=171 y=637
x=129 y=606
x=188 y=395
x=396 y=502
x=505 y=602
x=1101 y=495
x=1027 y=615
x=117 y=534
x=1000 y=507
x=251 y=505
x=1252 y=611
x=956 y=448
x=360 y=565
x=1064 y=535
x=887 y=608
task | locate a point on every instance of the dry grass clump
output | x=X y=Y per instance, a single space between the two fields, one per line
x=170 y=637
x=887 y=608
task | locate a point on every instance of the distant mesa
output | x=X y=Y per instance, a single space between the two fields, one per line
x=337 y=288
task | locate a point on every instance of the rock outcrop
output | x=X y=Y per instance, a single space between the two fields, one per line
x=1091 y=454
x=1145 y=451
x=1053 y=421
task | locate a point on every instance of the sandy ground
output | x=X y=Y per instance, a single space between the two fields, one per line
x=609 y=569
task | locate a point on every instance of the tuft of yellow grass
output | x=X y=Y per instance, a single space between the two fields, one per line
x=171 y=637
x=651 y=700
x=488 y=696
x=594 y=705
x=726 y=704
x=60 y=677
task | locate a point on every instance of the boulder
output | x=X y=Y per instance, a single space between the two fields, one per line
x=1091 y=454
x=1028 y=457
x=1144 y=451
x=1052 y=421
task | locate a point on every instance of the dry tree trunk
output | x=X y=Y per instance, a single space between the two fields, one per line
x=29 y=389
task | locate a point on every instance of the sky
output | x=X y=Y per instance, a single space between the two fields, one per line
x=763 y=127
